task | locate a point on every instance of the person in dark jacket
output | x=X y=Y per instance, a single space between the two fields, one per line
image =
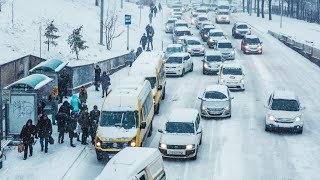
x=105 y=83
x=159 y=7
x=155 y=10
x=63 y=83
x=147 y=28
x=143 y=41
x=94 y=118
x=44 y=129
x=84 y=121
x=41 y=107
x=83 y=95
x=150 y=35
x=27 y=135
x=97 y=74
x=71 y=124
x=66 y=108
x=61 y=121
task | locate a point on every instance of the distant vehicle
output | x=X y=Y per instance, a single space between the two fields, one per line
x=205 y=23
x=181 y=135
x=120 y=124
x=176 y=14
x=178 y=64
x=194 y=46
x=144 y=163
x=232 y=76
x=251 y=44
x=180 y=31
x=173 y=48
x=212 y=62
x=212 y=7
x=194 y=7
x=194 y=18
x=215 y=35
x=226 y=48
x=170 y=25
x=223 y=6
x=240 y=30
x=223 y=16
x=202 y=10
x=176 y=10
x=216 y=102
x=284 y=111
x=200 y=18
x=180 y=23
x=204 y=32
x=179 y=17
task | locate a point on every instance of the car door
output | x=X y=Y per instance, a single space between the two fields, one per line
x=189 y=62
x=185 y=63
x=198 y=129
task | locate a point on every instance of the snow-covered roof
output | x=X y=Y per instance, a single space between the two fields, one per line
x=251 y=36
x=181 y=22
x=219 y=88
x=33 y=81
x=284 y=94
x=52 y=65
x=174 y=46
x=193 y=38
x=179 y=54
x=183 y=115
x=145 y=65
x=182 y=28
x=215 y=30
x=128 y=163
x=231 y=65
x=210 y=26
x=213 y=53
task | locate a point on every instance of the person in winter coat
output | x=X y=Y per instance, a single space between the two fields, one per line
x=83 y=95
x=143 y=41
x=27 y=135
x=97 y=74
x=94 y=118
x=138 y=52
x=75 y=103
x=105 y=82
x=44 y=129
x=61 y=121
x=63 y=84
x=71 y=124
x=150 y=17
x=41 y=107
x=131 y=57
x=147 y=28
x=155 y=10
x=159 y=7
x=66 y=108
x=84 y=122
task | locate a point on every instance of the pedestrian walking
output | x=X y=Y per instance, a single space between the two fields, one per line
x=131 y=57
x=97 y=74
x=147 y=28
x=63 y=84
x=94 y=118
x=71 y=127
x=155 y=10
x=41 y=106
x=150 y=18
x=150 y=35
x=83 y=95
x=28 y=133
x=143 y=41
x=61 y=121
x=75 y=103
x=160 y=7
x=54 y=100
x=105 y=83
x=44 y=129
x=84 y=124
x=66 y=108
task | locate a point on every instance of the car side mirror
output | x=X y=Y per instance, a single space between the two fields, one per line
x=160 y=130
x=200 y=98
x=160 y=87
x=143 y=125
x=231 y=97
x=302 y=108
x=199 y=132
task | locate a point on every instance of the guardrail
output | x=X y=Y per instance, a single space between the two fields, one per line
x=304 y=48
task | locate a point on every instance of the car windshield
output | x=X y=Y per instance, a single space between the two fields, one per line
x=216 y=34
x=183 y=33
x=174 y=60
x=173 y=49
x=152 y=80
x=214 y=95
x=232 y=71
x=193 y=42
x=224 y=45
x=284 y=105
x=171 y=21
x=181 y=25
x=223 y=13
x=179 y=127
x=122 y=119
x=223 y=7
x=201 y=11
x=242 y=26
x=176 y=10
x=253 y=40
x=203 y=18
x=214 y=58
x=194 y=15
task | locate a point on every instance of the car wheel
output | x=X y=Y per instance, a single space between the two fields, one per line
x=182 y=73
x=204 y=72
x=99 y=156
x=196 y=156
x=157 y=109
x=191 y=70
x=267 y=129
x=150 y=131
x=200 y=140
x=300 y=131
x=164 y=93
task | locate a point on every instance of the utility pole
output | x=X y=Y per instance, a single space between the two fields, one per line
x=101 y=21
x=281 y=13
x=121 y=4
x=40 y=34
x=12 y=13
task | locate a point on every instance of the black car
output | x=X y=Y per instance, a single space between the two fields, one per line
x=205 y=32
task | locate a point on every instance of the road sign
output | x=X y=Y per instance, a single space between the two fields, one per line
x=5 y=95
x=127 y=19
x=140 y=6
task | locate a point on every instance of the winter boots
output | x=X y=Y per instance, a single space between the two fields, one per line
x=71 y=142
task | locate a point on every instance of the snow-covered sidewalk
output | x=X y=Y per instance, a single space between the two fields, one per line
x=298 y=29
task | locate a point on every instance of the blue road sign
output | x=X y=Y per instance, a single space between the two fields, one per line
x=127 y=19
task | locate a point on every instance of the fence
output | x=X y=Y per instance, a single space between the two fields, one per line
x=308 y=15
x=305 y=49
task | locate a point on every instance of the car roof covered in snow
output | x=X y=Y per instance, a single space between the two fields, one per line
x=202 y=15
x=219 y=88
x=182 y=28
x=284 y=94
x=215 y=30
x=172 y=19
x=179 y=54
x=251 y=36
x=227 y=64
x=181 y=22
x=224 y=41
x=193 y=38
x=174 y=46
x=241 y=23
x=213 y=53
x=210 y=26
x=145 y=65
x=131 y=81
x=183 y=115
x=129 y=162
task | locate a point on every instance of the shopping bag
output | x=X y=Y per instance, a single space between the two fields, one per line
x=51 y=140
x=20 y=147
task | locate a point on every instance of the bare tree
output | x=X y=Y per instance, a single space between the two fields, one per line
x=269 y=5
x=110 y=27
x=258 y=8
x=97 y=3
x=262 y=9
x=2 y=2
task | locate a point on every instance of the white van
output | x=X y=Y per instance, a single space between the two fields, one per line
x=135 y=164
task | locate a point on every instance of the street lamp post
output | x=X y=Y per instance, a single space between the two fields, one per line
x=281 y=13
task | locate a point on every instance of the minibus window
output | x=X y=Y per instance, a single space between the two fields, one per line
x=124 y=119
x=152 y=81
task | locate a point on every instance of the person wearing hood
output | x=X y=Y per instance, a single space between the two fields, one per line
x=27 y=135
x=97 y=73
x=155 y=10
x=71 y=124
x=84 y=123
x=66 y=108
x=75 y=102
x=44 y=129
x=94 y=118
x=105 y=82
x=61 y=121
x=143 y=41
x=83 y=95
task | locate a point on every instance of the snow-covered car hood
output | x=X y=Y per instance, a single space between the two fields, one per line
x=115 y=133
x=178 y=139
x=173 y=65
x=254 y=46
x=195 y=46
x=211 y=103
x=284 y=114
x=226 y=50
x=232 y=77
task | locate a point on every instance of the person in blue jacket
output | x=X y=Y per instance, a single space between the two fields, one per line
x=75 y=102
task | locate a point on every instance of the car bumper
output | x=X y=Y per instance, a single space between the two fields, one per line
x=253 y=51
x=223 y=114
x=241 y=34
x=223 y=21
x=106 y=154
x=187 y=153
x=211 y=69
x=234 y=85
x=286 y=125
x=176 y=72
x=196 y=53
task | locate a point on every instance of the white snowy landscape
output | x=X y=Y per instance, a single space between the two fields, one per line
x=232 y=148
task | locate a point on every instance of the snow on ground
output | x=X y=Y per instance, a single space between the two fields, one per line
x=22 y=37
x=301 y=30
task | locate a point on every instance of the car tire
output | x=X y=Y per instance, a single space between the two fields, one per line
x=196 y=156
x=191 y=70
x=200 y=140
x=150 y=131
x=300 y=131
x=99 y=156
x=267 y=129
x=204 y=72
x=157 y=109
x=164 y=93
x=182 y=74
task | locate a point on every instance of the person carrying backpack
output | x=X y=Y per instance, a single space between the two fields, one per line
x=28 y=132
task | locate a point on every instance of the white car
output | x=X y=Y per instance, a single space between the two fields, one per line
x=178 y=64
x=284 y=111
x=173 y=48
x=180 y=23
x=226 y=48
x=231 y=75
x=240 y=29
x=170 y=25
x=199 y=19
x=181 y=135
x=179 y=32
x=223 y=16
x=216 y=101
x=212 y=62
x=214 y=36
x=194 y=46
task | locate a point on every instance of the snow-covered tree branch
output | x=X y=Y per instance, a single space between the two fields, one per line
x=76 y=43
x=51 y=29
x=110 y=27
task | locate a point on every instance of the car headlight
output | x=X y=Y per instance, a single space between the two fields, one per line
x=298 y=118
x=178 y=41
x=232 y=52
x=246 y=46
x=98 y=144
x=133 y=142
x=249 y=32
x=202 y=49
x=237 y=31
x=222 y=80
x=167 y=26
x=163 y=146
x=189 y=49
x=260 y=47
x=180 y=66
x=227 y=108
x=190 y=146
x=242 y=81
x=272 y=118
x=204 y=108
x=206 y=65
x=205 y=35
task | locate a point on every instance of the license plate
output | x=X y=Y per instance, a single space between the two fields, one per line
x=171 y=152
x=215 y=112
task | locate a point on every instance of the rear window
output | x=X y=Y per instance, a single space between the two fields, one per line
x=232 y=71
x=201 y=11
x=216 y=34
x=253 y=40
x=242 y=26
x=223 y=13
x=214 y=58
x=181 y=25
x=285 y=105
x=193 y=42
x=224 y=45
x=203 y=18
x=171 y=21
x=215 y=95
x=174 y=60
x=183 y=33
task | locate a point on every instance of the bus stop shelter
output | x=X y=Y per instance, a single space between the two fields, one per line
x=25 y=95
